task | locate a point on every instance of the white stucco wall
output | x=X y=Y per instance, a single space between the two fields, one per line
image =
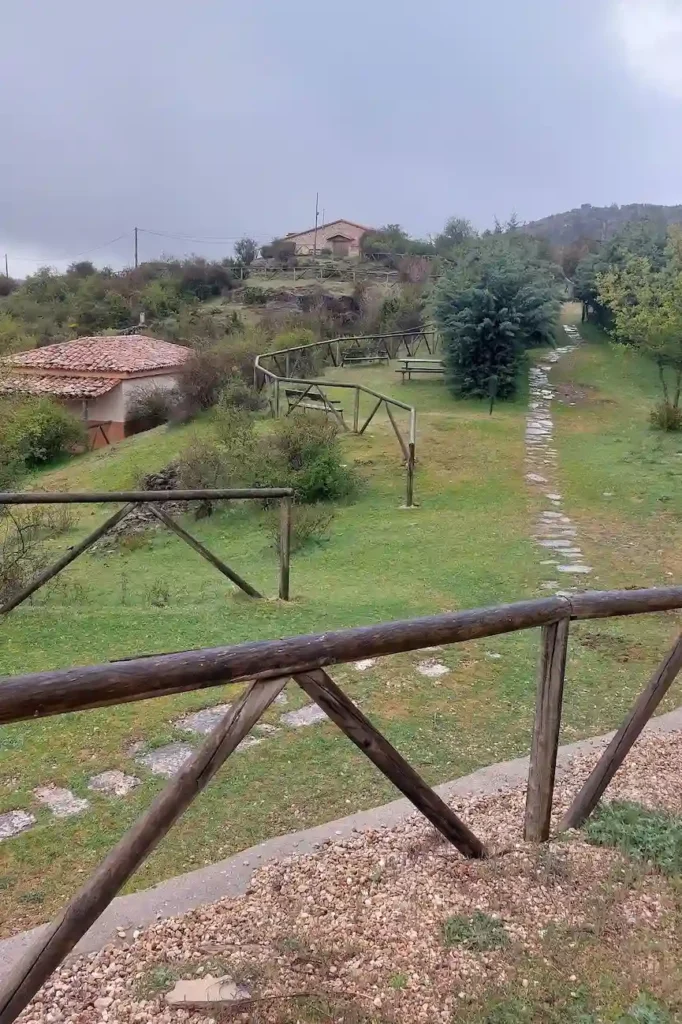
x=107 y=408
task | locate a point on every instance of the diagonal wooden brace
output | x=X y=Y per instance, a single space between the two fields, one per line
x=334 y=702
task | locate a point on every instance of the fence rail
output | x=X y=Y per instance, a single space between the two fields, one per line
x=136 y=499
x=291 y=374
x=268 y=665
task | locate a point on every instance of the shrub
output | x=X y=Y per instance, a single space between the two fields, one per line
x=309 y=525
x=152 y=406
x=253 y=296
x=307 y=454
x=203 y=377
x=23 y=552
x=666 y=416
x=237 y=394
x=39 y=430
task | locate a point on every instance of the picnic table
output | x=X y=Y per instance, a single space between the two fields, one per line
x=303 y=398
x=364 y=358
x=411 y=364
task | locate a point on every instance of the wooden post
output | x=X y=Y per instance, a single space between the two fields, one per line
x=617 y=750
x=356 y=411
x=24 y=980
x=287 y=364
x=409 y=496
x=277 y=397
x=284 y=547
x=334 y=702
x=53 y=570
x=548 y=704
x=204 y=552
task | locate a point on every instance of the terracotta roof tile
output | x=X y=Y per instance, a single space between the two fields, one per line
x=127 y=353
x=57 y=385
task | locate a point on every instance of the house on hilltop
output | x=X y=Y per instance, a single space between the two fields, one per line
x=342 y=237
x=98 y=379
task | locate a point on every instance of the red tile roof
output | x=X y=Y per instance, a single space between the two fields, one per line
x=57 y=385
x=125 y=353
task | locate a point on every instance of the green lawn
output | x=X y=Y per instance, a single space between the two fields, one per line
x=469 y=543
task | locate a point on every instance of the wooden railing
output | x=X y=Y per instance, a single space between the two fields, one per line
x=132 y=500
x=268 y=666
x=297 y=367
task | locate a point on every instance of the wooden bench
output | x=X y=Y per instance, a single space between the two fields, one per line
x=414 y=365
x=310 y=401
x=364 y=360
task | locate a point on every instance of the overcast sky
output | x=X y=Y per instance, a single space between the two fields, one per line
x=215 y=118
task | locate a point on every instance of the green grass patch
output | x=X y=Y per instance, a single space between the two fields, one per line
x=643 y=834
x=478 y=933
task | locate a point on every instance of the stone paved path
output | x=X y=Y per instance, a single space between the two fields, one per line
x=556 y=535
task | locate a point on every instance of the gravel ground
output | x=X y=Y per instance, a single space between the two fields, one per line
x=359 y=923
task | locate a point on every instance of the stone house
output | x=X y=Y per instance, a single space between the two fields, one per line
x=342 y=237
x=98 y=379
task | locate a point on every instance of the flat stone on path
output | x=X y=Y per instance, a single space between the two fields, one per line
x=432 y=669
x=62 y=802
x=535 y=478
x=221 y=991
x=204 y=721
x=14 y=822
x=574 y=568
x=364 y=664
x=308 y=715
x=167 y=760
x=113 y=783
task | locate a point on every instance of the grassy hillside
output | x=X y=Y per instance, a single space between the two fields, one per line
x=468 y=544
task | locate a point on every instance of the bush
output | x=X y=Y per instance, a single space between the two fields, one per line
x=309 y=525
x=253 y=296
x=307 y=456
x=155 y=405
x=237 y=394
x=203 y=377
x=666 y=416
x=38 y=430
x=23 y=552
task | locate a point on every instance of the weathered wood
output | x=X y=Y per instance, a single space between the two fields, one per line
x=104 y=497
x=67 y=558
x=617 y=750
x=403 y=446
x=204 y=552
x=51 y=693
x=607 y=603
x=334 y=702
x=545 y=744
x=24 y=980
x=370 y=417
x=39 y=694
x=289 y=392
x=409 y=497
x=356 y=410
x=284 y=547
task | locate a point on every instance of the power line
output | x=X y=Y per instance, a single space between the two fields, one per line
x=75 y=256
x=191 y=238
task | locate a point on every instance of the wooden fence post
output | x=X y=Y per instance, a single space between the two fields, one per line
x=548 y=703
x=356 y=411
x=284 y=547
x=617 y=750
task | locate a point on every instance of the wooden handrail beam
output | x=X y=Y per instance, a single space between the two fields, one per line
x=55 y=692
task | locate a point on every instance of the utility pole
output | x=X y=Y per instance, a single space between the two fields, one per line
x=317 y=214
x=136 y=248
x=6 y=267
